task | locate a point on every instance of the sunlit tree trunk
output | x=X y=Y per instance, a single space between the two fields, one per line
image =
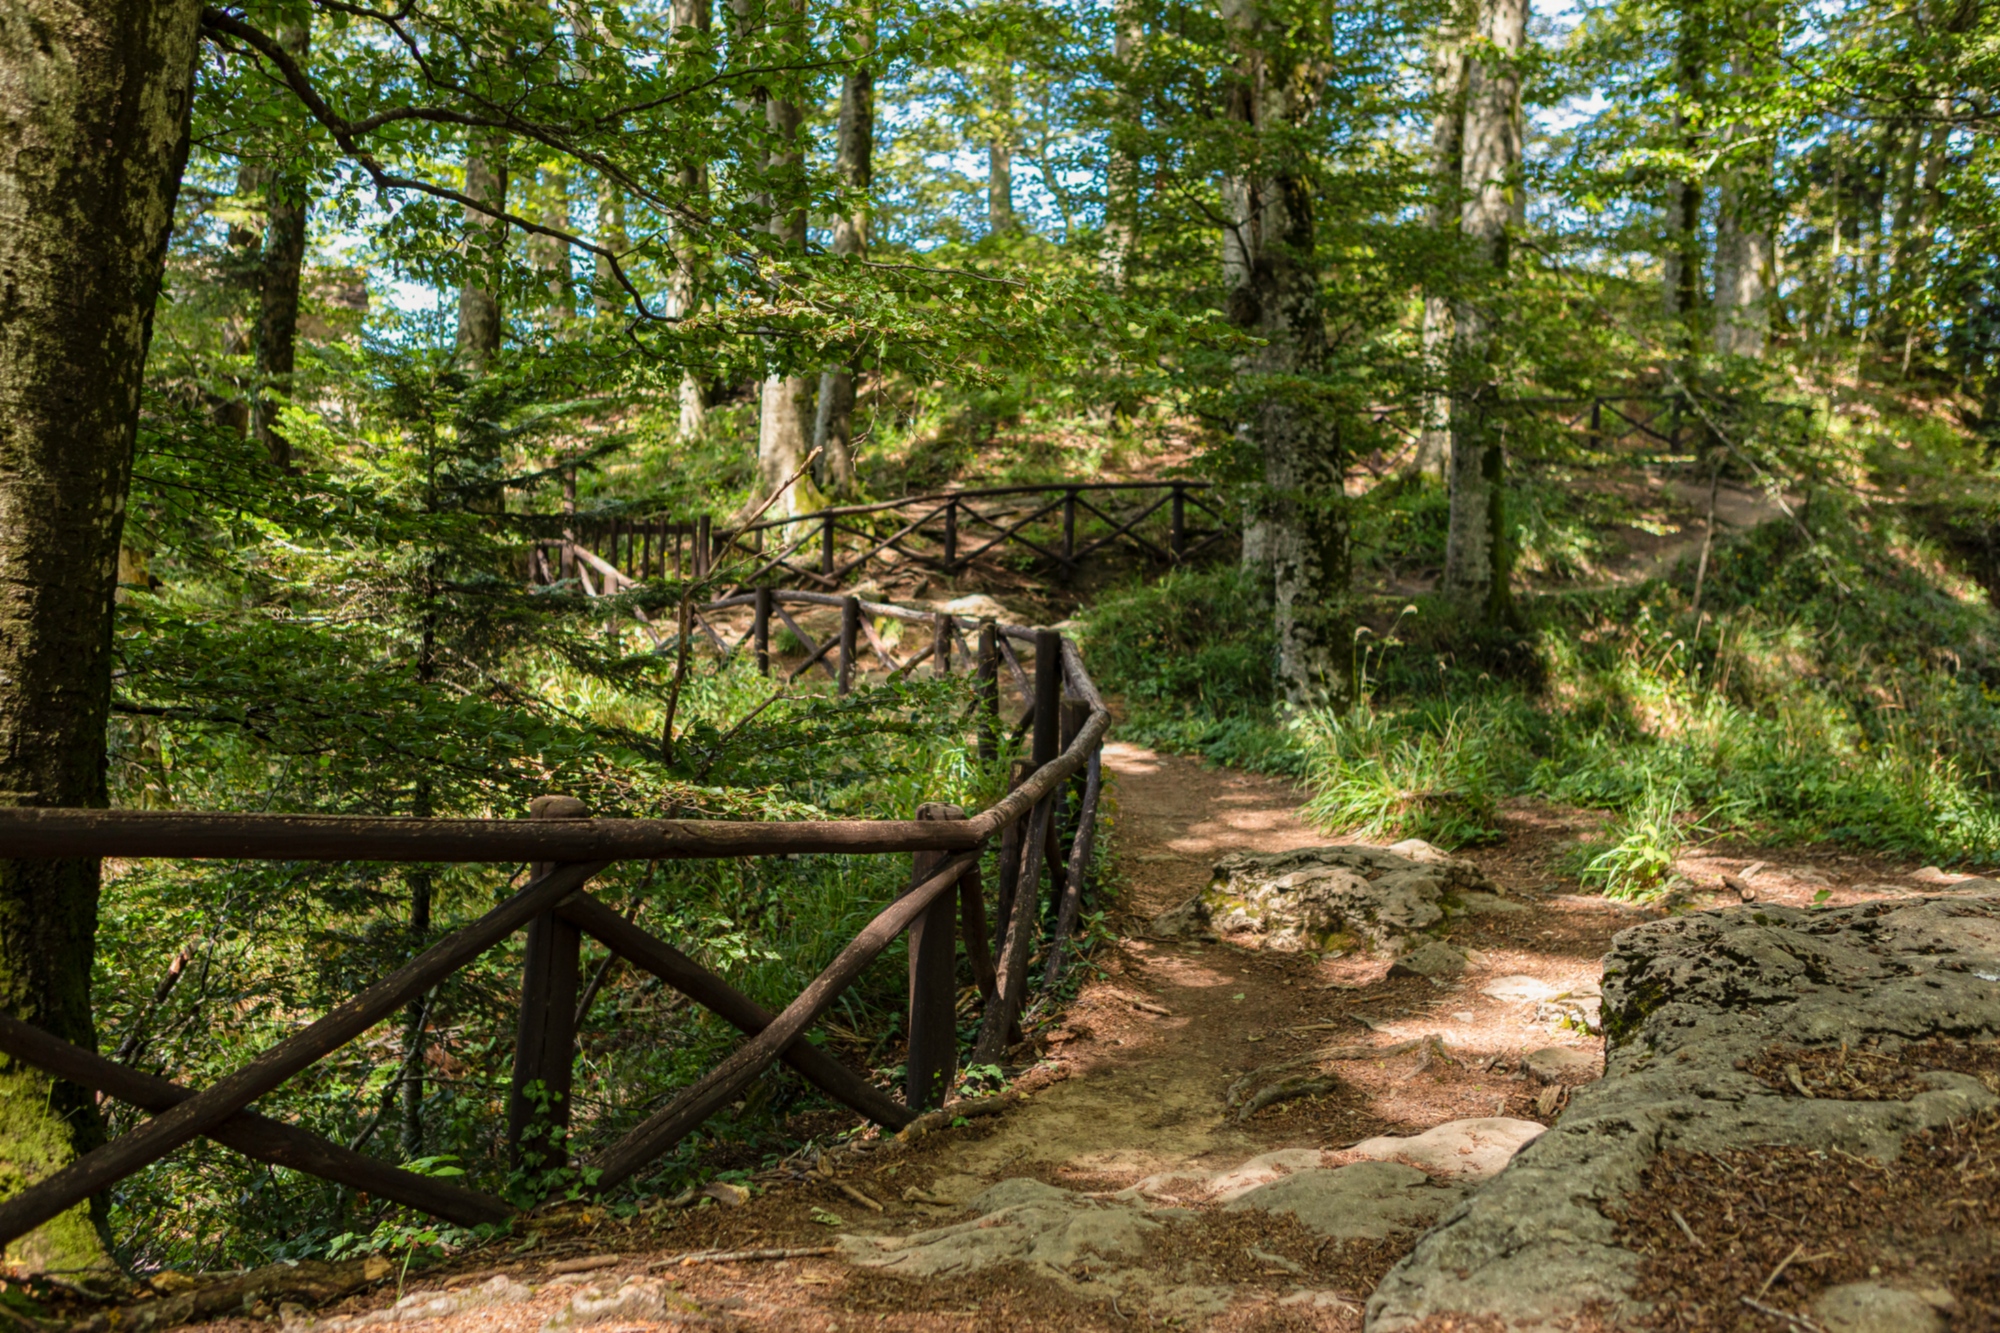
x=1121 y=169
x=783 y=430
x=552 y=256
x=854 y=151
x=1681 y=271
x=1476 y=556
x=1299 y=524
x=278 y=291
x=94 y=101
x=1000 y=153
x=479 y=327
x=1448 y=66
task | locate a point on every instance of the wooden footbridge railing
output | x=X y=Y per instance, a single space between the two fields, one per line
x=1060 y=525
x=943 y=904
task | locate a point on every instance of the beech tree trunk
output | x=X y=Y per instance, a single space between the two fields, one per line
x=1476 y=556
x=94 y=98
x=479 y=325
x=1000 y=156
x=1121 y=172
x=782 y=429
x=684 y=283
x=1448 y=67
x=278 y=291
x=854 y=158
x=1269 y=270
x=1745 y=256
x=552 y=256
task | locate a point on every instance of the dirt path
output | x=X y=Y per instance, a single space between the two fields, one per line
x=1128 y=1084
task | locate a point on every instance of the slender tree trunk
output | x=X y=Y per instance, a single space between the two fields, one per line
x=1000 y=155
x=1121 y=170
x=684 y=283
x=783 y=428
x=94 y=102
x=486 y=248
x=1448 y=70
x=1681 y=274
x=1476 y=557
x=854 y=158
x=1270 y=270
x=552 y=256
x=278 y=291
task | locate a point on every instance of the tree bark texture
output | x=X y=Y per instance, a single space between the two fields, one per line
x=1476 y=556
x=854 y=158
x=1745 y=260
x=94 y=98
x=1121 y=170
x=783 y=428
x=551 y=255
x=1269 y=267
x=278 y=282
x=1000 y=154
x=479 y=325
x=1448 y=72
x=684 y=283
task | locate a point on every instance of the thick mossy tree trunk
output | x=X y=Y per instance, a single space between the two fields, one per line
x=854 y=158
x=1476 y=552
x=1298 y=536
x=94 y=99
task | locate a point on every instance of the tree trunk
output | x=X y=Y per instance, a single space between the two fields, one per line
x=1448 y=67
x=1000 y=156
x=1681 y=273
x=1476 y=562
x=1121 y=171
x=486 y=248
x=551 y=255
x=1745 y=252
x=854 y=154
x=783 y=429
x=94 y=104
x=684 y=283
x=278 y=291
x=1270 y=270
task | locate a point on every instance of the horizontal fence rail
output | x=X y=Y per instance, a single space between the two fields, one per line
x=1044 y=828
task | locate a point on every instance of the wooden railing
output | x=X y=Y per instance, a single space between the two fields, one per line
x=1061 y=525
x=1045 y=822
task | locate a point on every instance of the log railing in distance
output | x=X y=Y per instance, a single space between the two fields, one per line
x=566 y=848
x=945 y=531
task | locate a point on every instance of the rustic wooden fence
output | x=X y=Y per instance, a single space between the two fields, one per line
x=1043 y=829
x=1058 y=526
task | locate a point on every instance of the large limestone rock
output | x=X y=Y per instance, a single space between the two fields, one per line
x=1326 y=898
x=1685 y=999
x=1364 y=1201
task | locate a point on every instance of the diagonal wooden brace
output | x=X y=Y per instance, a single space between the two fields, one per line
x=649 y=952
x=254 y=1135
x=201 y=1113
x=726 y=1081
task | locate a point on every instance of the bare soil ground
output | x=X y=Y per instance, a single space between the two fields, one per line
x=1130 y=1081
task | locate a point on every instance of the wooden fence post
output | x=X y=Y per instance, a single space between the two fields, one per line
x=941 y=644
x=701 y=546
x=950 y=535
x=987 y=693
x=931 y=1065
x=760 y=630
x=1177 y=530
x=1596 y=422
x=850 y=628
x=1069 y=530
x=569 y=524
x=1048 y=743
x=545 y=1037
x=826 y=545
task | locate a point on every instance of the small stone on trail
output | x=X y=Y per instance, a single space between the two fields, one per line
x=1864 y=1307
x=1436 y=959
x=1469 y=1149
x=1364 y=1201
x=1552 y=1064
x=640 y=1300
x=1518 y=988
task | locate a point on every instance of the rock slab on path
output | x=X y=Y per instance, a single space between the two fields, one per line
x=1335 y=897
x=1685 y=1000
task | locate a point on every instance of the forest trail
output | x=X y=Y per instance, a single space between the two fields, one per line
x=1127 y=1085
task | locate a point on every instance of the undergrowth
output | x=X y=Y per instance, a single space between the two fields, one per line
x=1841 y=684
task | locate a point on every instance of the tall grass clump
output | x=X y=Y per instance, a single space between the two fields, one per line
x=1378 y=775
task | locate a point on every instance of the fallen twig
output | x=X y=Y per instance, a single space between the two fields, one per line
x=1795 y=1320
x=1682 y=1223
x=742 y=1256
x=1783 y=1264
x=855 y=1194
